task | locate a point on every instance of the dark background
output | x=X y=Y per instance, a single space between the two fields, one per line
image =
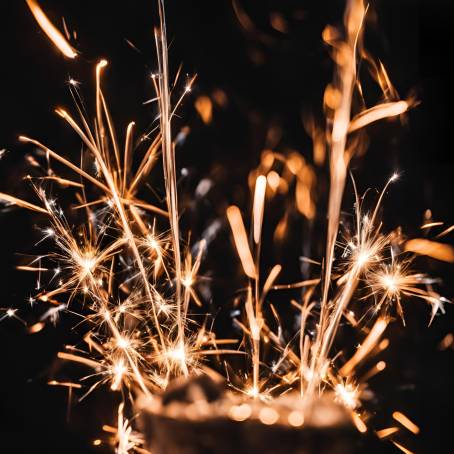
x=270 y=79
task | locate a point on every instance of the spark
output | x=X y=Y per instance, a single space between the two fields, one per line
x=385 y=433
x=53 y=314
x=446 y=342
x=406 y=422
x=359 y=423
x=365 y=348
x=395 y=280
x=376 y=113
x=241 y=242
x=119 y=370
x=402 y=448
x=253 y=392
x=204 y=107
x=127 y=439
x=21 y=203
x=439 y=251
x=50 y=30
x=179 y=356
x=10 y=313
x=73 y=82
x=187 y=281
x=123 y=343
x=36 y=328
x=347 y=394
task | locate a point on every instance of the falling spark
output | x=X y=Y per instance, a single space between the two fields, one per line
x=259 y=202
x=376 y=113
x=446 y=342
x=359 y=423
x=204 y=107
x=21 y=203
x=241 y=242
x=347 y=394
x=402 y=448
x=367 y=345
x=50 y=30
x=385 y=433
x=439 y=251
x=406 y=422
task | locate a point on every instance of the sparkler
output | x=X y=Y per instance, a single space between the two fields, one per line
x=134 y=285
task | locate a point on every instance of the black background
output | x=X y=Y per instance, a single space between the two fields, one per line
x=269 y=79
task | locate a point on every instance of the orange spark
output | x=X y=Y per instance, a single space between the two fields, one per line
x=259 y=206
x=368 y=344
x=402 y=448
x=50 y=30
x=386 y=110
x=359 y=423
x=204 y=108
x=406 y=422
x=241 y=242
x=439 y=251
x=384 y=433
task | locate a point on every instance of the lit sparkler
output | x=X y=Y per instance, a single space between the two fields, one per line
x=137 y=284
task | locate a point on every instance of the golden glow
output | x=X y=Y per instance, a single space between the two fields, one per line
x=365 y=348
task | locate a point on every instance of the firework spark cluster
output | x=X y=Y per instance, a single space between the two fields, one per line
x=119 y=261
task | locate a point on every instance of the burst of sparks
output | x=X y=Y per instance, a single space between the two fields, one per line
x=347 y=394
x=136 y=284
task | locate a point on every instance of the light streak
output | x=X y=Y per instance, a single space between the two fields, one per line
x=376 y=113
x=368 y=344
x=259 y=202
x=385 y=433
x=347 y=394
x=50 y=30
x=241 y=242
x=439 y=251
x=359 y=423
x=406 y=422
x=402 y=448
